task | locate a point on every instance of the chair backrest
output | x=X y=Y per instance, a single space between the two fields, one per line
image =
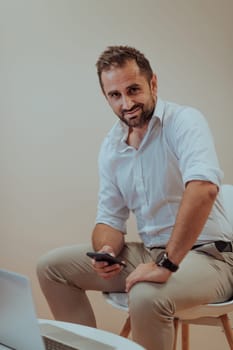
x=227 y=191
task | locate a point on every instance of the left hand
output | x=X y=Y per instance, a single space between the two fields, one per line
x=148 y=272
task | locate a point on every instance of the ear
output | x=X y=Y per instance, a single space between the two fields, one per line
x=153 y=85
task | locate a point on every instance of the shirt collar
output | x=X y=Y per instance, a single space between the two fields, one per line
x=159 y=109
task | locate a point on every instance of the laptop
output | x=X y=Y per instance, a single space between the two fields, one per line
x=19 y=327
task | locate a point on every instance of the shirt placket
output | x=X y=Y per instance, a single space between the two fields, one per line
x=140 y=185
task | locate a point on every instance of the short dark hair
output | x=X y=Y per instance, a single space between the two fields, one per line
x=118 y=56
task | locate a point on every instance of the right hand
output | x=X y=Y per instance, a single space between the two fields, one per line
x=102 y=268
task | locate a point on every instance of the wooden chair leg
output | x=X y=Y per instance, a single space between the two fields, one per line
x=227 y=329
x=176 y=328
x=185 y=336
x=126 y=328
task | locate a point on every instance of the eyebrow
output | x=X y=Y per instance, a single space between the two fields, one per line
x=135 y=85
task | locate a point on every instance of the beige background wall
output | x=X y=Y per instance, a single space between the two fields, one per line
x=53 y=116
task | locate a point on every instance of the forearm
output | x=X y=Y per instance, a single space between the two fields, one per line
x=197 y=202
x=105 y=235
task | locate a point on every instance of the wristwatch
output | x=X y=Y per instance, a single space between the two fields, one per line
x=163 y=261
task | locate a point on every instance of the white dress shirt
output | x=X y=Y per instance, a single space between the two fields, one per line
x=150 y=181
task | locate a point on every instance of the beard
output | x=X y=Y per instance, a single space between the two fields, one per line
x=141 y=117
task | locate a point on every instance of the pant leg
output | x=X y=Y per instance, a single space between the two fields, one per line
x=65 y=274
x=200 y=279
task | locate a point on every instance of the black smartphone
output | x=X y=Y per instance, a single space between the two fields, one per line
x=111 y=260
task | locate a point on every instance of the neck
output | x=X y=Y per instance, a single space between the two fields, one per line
x=136 y=135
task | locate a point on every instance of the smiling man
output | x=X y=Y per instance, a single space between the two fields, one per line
x=158 y=162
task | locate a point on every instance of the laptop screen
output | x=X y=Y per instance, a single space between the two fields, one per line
x=19 y=327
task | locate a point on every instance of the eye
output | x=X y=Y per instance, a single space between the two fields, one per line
x=114 y=95
x=134 y=90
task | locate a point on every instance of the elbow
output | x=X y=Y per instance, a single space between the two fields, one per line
x=213 y=191
x=207 y=189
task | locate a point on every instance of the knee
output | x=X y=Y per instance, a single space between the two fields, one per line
x=42 y=266
x=150 y=300
x=61 y=264
x=48 y=266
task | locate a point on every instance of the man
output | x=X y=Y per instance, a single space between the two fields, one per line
x=159 y=162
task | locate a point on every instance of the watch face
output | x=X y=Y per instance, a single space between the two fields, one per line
x=163 y=261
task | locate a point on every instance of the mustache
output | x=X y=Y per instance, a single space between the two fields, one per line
x=124 y=111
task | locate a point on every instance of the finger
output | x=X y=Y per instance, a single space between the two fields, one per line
x=109 y=274
x=113 y=269
x=129 y=285
x=107 y=249
x=108 y=269
x=99 y=264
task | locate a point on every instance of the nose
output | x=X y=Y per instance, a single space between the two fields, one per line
x=127 y=102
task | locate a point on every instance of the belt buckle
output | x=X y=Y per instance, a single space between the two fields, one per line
x=223 y=246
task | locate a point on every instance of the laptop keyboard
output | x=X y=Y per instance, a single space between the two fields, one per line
x=57 y=338
x=51 y=344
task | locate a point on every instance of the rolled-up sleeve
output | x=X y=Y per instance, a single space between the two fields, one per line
x=194 y=147
x=111 y=208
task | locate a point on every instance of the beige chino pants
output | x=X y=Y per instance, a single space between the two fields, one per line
x=66 y=273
